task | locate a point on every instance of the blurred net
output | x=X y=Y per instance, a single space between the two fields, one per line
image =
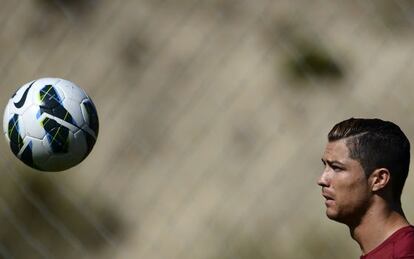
x=213 y=119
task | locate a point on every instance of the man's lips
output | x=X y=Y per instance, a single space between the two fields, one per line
x=326 y=196
x=328 y=199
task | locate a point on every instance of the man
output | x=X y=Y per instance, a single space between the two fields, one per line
x=366 y=164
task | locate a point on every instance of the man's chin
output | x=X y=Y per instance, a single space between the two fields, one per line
x=333 y=215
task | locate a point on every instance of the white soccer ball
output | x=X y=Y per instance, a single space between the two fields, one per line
x=51 y=124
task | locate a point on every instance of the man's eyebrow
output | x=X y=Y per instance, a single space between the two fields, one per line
x=331 y=162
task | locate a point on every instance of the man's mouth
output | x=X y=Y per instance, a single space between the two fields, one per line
x=327 y=197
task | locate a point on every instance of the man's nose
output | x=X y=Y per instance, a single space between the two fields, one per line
x=323 y=179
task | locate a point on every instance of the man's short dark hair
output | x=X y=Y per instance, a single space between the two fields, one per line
x=375 y=143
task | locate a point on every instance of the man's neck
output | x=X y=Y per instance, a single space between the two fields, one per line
x=376 y=226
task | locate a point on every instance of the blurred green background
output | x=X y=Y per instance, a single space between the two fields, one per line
x=214 y=116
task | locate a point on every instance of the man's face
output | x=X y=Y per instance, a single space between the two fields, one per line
x=344 y=184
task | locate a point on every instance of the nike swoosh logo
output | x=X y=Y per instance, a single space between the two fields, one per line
x=20 y=103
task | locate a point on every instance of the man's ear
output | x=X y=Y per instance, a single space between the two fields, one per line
x=379 y=179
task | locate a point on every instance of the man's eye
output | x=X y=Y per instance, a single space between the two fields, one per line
x=337 y=169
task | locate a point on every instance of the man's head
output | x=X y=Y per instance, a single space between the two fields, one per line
x=375 y=143
x=363 y=157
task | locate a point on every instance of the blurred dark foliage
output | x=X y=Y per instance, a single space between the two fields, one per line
x=303 y=56
x=312 y=61
x=396 y=16
x=75 y=7
x=134 y=52
x=36 y=217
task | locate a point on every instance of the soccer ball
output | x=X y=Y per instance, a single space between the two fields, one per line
x=51 y=124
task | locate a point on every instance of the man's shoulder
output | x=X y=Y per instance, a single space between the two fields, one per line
x=404 y=243
x=399 y=245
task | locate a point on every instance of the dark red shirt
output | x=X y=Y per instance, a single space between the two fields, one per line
x=399 y=245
